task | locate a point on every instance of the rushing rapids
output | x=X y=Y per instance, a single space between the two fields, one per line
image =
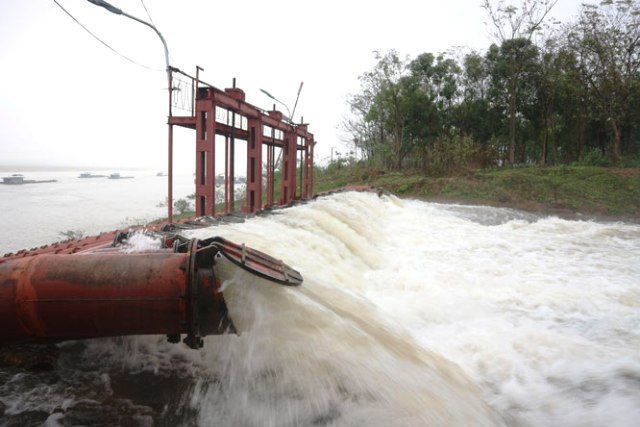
x=411 y=314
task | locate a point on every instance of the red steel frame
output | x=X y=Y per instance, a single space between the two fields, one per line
x=253 y=125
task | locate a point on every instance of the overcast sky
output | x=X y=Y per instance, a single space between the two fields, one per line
x=67 y=100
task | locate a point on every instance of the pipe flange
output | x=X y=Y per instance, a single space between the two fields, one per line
x=193 y=338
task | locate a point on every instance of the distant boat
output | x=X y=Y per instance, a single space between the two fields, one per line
x=90 y=175
x=18 y=179
x=161 y=174
x=118 y=176
x=14 y=179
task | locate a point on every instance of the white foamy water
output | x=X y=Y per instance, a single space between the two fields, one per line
x=411 y=314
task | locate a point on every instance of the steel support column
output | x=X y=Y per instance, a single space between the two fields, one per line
x=270 y=172
x=308 y=168
x=289 y=160
x=170 y=149
x=254 y=166
x=230 y=173
x=205 y=157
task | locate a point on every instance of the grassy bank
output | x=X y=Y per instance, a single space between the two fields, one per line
x=591 y=191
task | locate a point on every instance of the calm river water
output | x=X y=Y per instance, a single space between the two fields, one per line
x=411 y=314
x=35 y=214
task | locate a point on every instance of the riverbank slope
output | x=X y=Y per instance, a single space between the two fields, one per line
x=582 y=192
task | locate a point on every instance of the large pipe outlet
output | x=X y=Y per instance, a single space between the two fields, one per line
x=48 y=298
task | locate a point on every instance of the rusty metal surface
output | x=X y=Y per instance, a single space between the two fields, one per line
x=208 y=101
x=257 y=262
x=66 y=247
x=103 y=291
x=59 y=297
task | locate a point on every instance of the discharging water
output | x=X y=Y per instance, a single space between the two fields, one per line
x=411 y=314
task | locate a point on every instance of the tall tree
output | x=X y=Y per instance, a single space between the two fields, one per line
x=547 y=92
x=382 y=111
x=512 y=67
x=565 y=94
x=476 y=115
x=364 y=133
x=438 y=80
x=607 y=40
x=388 y=105
x=423 y=91
x=512 y=23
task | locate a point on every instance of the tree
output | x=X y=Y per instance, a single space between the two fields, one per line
x=514 y=29
x=438 y=80
x=181 y=206
x=512 y=66
x=388 y=107
x=379 y=109
x=430 y=93
x=514 y=22
x=607 y=42
x=474 y=76
x=529 y=98
x=364 y=133
x=544 y=110
x=477 y=115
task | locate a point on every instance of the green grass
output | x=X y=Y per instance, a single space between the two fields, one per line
x=585 y=189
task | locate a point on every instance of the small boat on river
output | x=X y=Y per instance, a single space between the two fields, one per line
x=90 y=175
x=118 y=176
x=18 y=179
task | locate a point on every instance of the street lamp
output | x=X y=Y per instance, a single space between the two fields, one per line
x=285 y=105
x=118 y=11
x=277 y=100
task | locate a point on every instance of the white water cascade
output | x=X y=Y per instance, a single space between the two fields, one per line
x=411 y=314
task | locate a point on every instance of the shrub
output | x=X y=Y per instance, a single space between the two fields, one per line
x=72 y=234
x=181 y=206
x=450 y=154
x=593 y=157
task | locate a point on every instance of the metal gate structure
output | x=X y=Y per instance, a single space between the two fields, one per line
x=211 y=111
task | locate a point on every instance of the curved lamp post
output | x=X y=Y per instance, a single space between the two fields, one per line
x=118 y=11
x=285 y=105
x=277 y=100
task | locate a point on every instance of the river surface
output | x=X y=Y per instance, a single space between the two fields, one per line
x=411 y=314
x=40 y=213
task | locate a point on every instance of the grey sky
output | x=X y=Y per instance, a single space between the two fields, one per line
x=65 y=99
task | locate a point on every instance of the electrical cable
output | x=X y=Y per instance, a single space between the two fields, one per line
x=148 y=15
x=104 y=43
x=153 y=23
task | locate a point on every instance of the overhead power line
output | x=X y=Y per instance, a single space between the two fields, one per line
x=152 y=23
x=103 y=42
x=148 y=15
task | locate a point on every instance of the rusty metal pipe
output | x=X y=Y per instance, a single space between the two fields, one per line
x=49 y=298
